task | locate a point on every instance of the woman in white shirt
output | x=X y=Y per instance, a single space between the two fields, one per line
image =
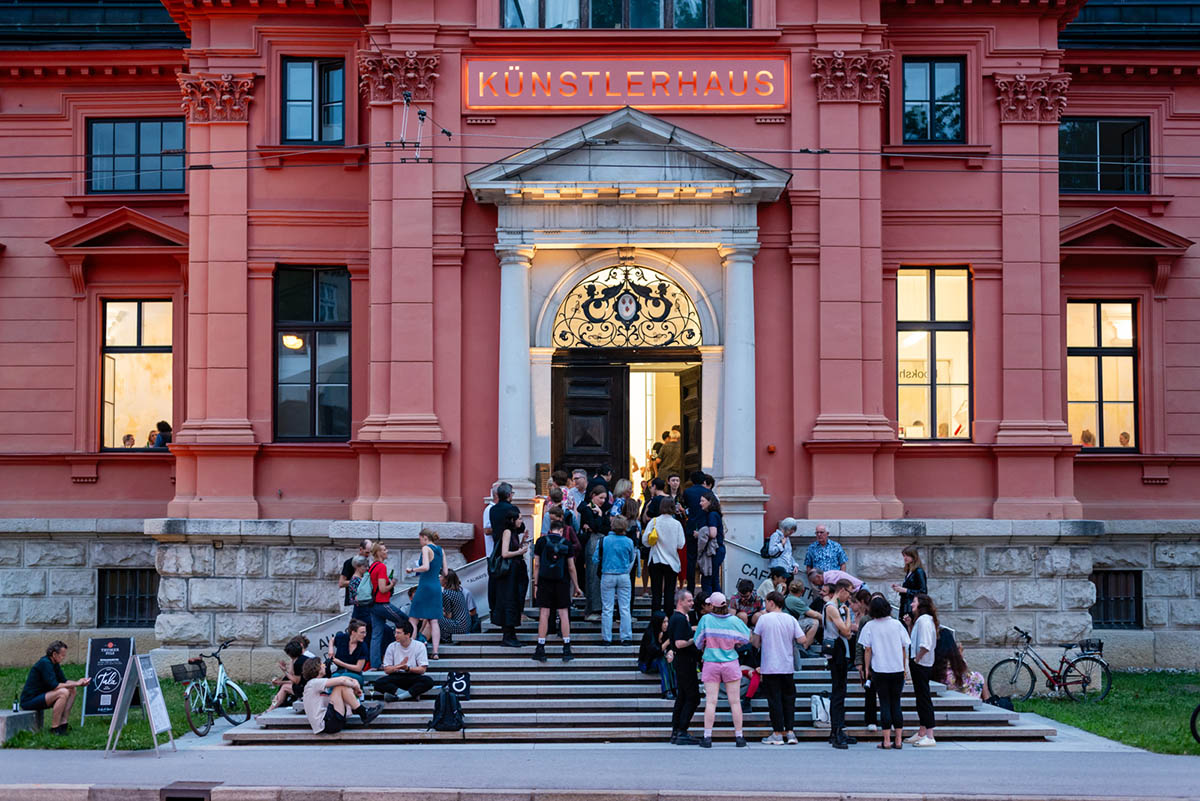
x=885 y=646
x=920 y=649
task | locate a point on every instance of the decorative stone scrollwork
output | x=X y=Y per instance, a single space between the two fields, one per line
x=1032 y=98
x=384 y=78
x=627 y=306
x=216 y=98
x=856 y=75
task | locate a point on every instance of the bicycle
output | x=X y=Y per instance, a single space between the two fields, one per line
x=202 y=701
x=1084 y=678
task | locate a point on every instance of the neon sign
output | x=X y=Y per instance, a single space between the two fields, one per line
x=665 y=82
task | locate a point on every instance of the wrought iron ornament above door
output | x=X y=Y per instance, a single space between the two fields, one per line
x=627 y=306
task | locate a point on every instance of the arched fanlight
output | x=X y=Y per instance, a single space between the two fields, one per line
x=627 y=306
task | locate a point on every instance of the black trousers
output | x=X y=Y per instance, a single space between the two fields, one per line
x=687 y=696
x=870 y=704
x=781 y=700
x=837 y=678
x=414 y=683
x=662 y=588
x=890 y=687
x=920 y=680
x=691 y=559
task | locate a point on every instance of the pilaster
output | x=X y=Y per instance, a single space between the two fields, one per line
x=514 y=378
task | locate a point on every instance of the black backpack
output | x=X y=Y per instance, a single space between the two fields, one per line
x=552 y=563
x=447 y=711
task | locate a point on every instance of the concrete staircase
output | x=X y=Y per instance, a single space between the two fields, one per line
x=602 y=697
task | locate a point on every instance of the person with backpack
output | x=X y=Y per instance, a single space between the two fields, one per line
x=554 y=582
x=615 y=557
x=779 y=548
x=665 y=538
x=404 y=665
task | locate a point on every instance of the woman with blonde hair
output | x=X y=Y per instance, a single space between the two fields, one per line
x=427 y=600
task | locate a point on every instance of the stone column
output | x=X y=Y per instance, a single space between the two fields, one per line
x=514 y=462
x=215 y=447
x=711 y=430
x=740 y=491
x=1033 y=446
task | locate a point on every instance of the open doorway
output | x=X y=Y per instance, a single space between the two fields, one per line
x=613 y=409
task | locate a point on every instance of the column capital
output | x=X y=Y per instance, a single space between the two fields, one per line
x=858 y=76
x=735 y=252
x=212 y=97
x=391 y=77
x=515 y=254
x=1033 y=97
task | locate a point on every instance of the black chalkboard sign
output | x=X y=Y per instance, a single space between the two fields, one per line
x=107 y=661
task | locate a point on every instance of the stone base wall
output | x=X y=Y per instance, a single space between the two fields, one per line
x=48 y=582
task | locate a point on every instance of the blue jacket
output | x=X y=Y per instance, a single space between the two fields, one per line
x=619 y=554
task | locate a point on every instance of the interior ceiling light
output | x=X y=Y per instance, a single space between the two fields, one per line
x=292 y=342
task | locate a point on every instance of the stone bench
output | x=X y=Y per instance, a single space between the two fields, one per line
x=13 y=722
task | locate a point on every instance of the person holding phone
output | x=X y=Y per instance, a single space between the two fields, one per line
x=47 y=687
x=511 y=578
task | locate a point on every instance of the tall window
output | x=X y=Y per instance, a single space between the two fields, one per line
x=1118 y=599
x=127 y=598
x=135 y=155
x=137 y=372
x=934 y=100
x=313 y=99
x=626 y=13
x=312 y=353
x=1104 y=155
x=1102 y=374
x=933 y=353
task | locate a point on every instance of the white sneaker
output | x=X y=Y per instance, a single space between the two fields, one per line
x=774 y=739
x=791 y=740
x=914 y=738
x=872 y=727
x=925 y=742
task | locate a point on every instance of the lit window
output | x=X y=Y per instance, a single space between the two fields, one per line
x=934 y=100
x=1103 y=155
x=626 y=13
x=313 y=100
x=137 y=373
x=312 y=353
x=135 y=156
x=1102 y=374
x=933 y=353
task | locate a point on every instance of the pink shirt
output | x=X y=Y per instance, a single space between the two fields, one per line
x=834 y=576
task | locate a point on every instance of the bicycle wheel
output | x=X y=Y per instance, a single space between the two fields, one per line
x=199 y=714
x=232 y=704
x=1011 y=678
x=1087 y=678
x=1196 y=723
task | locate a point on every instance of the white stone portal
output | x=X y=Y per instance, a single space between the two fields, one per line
x=629 y=187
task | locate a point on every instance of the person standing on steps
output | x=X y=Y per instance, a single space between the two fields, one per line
x=689 y=505
x=595 y=524
x=775 y=635
x=664 y=536
x=824 y=554
x=508 y=578
x=427 y=600
x=615 y=557
x=348 y=572
x=921 y=647
x=710 y=544
x=914 y=582
x=500 y=510
x=383 y=581
x=718 y=636
x=554 y=582
x=860 y=604
x=837 y=635
x=686 y=662
x=405 y=664
x=885 y=644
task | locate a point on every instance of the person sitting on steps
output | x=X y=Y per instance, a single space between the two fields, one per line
x=328 y=702
x=405 y=664
x=47 y=688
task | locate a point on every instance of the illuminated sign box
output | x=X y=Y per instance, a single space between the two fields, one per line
x=599 y=83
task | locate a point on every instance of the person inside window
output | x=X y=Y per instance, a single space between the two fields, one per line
x=47 y=688
x=128 y=441
x=162 y=434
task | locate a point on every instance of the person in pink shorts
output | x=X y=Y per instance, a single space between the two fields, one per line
x=718 y=635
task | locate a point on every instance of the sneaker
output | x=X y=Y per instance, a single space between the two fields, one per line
x=872 y=727
x=674 y=734
x=791 y=740
x=706 y=742
x=61 y=730
x=567 y=656
x=511 y=642
x=593 y=618
x=369 y=713
x=740 y=742
x=683 y=738
x=913 y=739
x=390 y=697
x=539 y=653
x=774 y=739
x=925 y=742
x=840 y=745
x=404 y=695
x=298 y=707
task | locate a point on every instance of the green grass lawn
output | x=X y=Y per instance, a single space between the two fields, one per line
x=94 y=732
x=1147 y=710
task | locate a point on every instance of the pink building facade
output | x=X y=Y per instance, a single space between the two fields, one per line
x=923 y=272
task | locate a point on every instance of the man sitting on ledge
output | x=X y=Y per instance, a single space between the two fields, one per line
x=47 y=687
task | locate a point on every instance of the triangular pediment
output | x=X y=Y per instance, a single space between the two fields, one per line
x=122 y=228
x=1117 y=230
x=628 y=155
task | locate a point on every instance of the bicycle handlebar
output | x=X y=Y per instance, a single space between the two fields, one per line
x=1028 y=637
x=220 y=648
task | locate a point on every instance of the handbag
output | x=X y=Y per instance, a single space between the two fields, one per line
x=459 y=682
x=819 y=704
x=498 y=566
x=651 y=534
x=827 y=647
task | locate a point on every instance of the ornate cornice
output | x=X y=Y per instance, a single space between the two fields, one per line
x=1041 y=97
x=852 y=75
x=384 y=77
x=209 y=97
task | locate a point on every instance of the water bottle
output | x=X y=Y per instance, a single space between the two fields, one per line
x=17 y=703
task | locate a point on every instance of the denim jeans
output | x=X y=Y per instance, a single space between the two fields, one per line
x=615 y=586
x=380 y=615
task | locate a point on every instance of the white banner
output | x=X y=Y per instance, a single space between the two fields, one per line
x=474 y=578
x=741 y=562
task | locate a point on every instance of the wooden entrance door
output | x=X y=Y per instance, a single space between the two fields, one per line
x=590 y=426
x=689 y=418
